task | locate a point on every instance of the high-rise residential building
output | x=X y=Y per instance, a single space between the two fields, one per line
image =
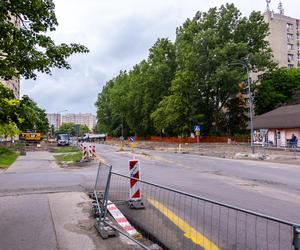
x=55 y=120
x=13 y=84
x=83 y=119
x=284 y=38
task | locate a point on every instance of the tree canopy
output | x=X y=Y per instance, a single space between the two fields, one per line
x=279 y=86
x=198 y=79
x=70 y=128
x=25 y=46
x=21 y=114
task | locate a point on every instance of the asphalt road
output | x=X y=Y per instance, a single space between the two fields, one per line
x=42 y=207
x=268 y=188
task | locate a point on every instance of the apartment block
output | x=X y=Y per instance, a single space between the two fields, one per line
x=13 y=84
x=81 y=118
x=284 y=38
x=55 y=120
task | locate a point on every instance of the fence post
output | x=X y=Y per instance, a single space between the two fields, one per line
x=103 y=225
x=296 y=238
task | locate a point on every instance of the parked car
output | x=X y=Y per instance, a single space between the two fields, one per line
x=63 y=140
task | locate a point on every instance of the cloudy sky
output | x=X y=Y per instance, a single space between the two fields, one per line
x=118 y=34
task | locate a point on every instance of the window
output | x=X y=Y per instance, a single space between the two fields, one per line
x=290 y=57
x=290 y=66
x=289 y=26
x=290 y=46
x=290 y=37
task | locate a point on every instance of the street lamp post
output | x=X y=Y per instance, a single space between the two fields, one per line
x=245 y=65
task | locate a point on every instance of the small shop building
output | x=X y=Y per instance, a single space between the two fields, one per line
x=278 y=126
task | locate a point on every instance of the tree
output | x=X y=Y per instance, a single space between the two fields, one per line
x=9 y=130
x=28 y=48
x=67 y=128
x=194 y=81
x=33 y=117
x=8 y=106
x=83 y=129
x=206 y=78
x=277 y=87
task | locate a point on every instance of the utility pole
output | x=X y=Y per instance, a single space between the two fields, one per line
x=246 y=66
x=250 y=105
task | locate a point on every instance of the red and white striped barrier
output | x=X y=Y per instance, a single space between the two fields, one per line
x=84 y=157
x=135 y=199
x=121 y=220
x=94 y=151
x=91 y=156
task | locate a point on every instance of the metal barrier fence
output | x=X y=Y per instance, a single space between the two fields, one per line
x=177 y=220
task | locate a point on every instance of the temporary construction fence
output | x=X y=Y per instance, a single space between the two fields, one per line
x=102 y=204
x=178 y=220
x=202 y=139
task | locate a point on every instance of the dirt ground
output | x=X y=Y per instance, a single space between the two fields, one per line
x=223 y=150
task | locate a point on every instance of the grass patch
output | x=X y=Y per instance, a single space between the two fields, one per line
x=7 y=157
x=67 y=149
x=69 y=158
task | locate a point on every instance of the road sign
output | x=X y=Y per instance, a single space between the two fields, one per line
x=197 y=133
x=131 y=138
x=197 y=128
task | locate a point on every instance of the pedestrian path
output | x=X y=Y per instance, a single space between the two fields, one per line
x=36 y=217
x=33 y=162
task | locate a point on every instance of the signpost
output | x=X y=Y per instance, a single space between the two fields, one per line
x=197 y=129
x=132 y=143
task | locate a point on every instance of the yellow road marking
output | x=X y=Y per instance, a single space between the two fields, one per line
x=189 y=232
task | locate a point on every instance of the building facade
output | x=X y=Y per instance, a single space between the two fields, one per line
x=55 y=120
x=13 y=84
x=279 y=124
x=284 y=38
x=81 y=118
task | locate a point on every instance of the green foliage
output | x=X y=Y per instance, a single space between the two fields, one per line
x=67 y=128
x=277 y=87
x=7 y=157
x=8 y=106
x=68 y=158
x=9 y=130
x=83 y=129
x=21 y=114
x=69 y=149
x=195 y=80
x=27 y=48
x=34 y=118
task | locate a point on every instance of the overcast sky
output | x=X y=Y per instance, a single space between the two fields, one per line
x=119 y=34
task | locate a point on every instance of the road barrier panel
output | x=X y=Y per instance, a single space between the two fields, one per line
x=201 y=223
x=135 y=199
x=91 y=155
x=122 y=220
x=102 y=184
x=94 y=151
x=84 y=155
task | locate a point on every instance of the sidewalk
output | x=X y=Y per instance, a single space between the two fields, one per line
x=42 y=221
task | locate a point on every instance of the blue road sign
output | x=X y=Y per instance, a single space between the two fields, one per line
x=197 y=128
x=131 y=138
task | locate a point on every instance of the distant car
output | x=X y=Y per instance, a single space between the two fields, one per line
x=63 y=140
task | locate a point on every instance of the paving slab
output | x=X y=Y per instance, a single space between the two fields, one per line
x=39 y=161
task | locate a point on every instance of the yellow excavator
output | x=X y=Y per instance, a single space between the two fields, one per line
x=31 y=137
